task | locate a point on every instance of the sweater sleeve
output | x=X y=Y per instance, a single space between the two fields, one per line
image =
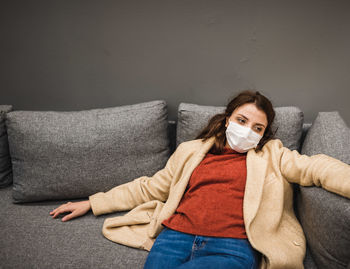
x=320 y=170
x=136 y=192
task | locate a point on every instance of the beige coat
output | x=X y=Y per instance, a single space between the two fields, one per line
x=270 y=223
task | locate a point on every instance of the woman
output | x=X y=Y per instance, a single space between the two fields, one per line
x=223 y=200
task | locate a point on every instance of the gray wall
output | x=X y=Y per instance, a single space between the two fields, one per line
x=73 y=55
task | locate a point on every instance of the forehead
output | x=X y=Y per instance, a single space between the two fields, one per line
x=251 y=112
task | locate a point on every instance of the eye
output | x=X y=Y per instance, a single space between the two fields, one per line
x=240 y=120
x=258 y=129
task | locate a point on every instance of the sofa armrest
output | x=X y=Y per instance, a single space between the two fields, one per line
x=325 y=219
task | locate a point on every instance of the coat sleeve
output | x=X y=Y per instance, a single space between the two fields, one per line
x=136 y=192
x=320 y=170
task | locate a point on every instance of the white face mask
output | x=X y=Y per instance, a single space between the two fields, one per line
x=240 y=138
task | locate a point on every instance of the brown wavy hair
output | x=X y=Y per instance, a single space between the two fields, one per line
x=216 y=125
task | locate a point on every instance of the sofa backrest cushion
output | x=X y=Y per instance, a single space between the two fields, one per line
x=65 y=155
x=5 y=160
x=326 y=224
x=329 y=135
x=192 y=118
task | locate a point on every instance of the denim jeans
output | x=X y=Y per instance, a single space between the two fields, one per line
x=173 y=249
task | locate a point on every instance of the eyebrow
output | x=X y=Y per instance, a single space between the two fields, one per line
x=248 y=119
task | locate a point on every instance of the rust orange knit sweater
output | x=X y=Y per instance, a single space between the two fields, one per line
x=213 y=201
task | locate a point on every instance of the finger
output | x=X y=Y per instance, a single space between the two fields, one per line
x=62 y=210
x=58 y=208
x=68 y=217
x=54 y=210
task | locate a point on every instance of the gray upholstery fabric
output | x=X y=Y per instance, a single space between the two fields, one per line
x=329 y=135
x=193 y=118
x=289 y=121
x=5 y=160
x=326 y=224
x=6 y=108
x=325 y=218
x=306 y=128
x=63 y=155
x=30 y=238
x=309 y=263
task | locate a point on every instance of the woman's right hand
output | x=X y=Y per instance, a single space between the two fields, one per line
x=77 y=209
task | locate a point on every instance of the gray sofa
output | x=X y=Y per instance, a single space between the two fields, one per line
x=48 y=158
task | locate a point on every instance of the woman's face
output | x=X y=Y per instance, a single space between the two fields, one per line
x=250 y=116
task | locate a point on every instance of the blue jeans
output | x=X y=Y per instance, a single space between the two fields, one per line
x=173 y=249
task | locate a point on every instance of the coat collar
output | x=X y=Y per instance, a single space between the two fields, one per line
x=191 y=164
x=256 y=174
x=195 y=161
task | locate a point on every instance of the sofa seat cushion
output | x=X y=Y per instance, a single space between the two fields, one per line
x=31 y=238
x=64 y=155
x=192 y=118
